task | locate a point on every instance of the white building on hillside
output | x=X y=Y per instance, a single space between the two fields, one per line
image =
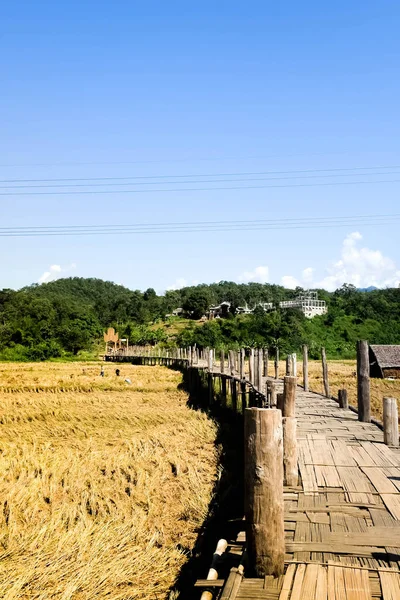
x=308 y=303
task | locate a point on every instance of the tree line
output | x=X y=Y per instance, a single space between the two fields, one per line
x=67 y=317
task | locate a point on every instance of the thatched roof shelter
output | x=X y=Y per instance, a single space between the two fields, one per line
x=384 y=361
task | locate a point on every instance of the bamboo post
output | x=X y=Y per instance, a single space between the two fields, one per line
x=232 y=362
x=213 y=572
x=325 y=372
x=363 y=391
x=289 y=396
x=264 y=490
x=305 y=368
x=210 y=361
x=277 y=363
x=390 y=422
x=222 y=362
x=343 y=400
x=265 y=373
x=260 y=369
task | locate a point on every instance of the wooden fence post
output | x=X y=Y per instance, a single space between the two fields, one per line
x=294 y=365
x=343 y=400
x=288 y=365
x=251 y=366
x=305 y=368
x=390 y=422
x=242 y=364
x=265 y=362
x=222 y=369
x=277 y=363
x=260 y=369
x=289 y=396
x=325 y=372
x=264 y=490
x=290 y=455
x=272 y=389
x=363 y=392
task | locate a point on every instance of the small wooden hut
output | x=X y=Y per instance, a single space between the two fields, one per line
x=384 y=362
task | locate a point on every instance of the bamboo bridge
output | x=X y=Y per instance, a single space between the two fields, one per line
x=322 y=485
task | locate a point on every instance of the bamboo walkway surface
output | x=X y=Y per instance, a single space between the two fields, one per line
x=342 y=524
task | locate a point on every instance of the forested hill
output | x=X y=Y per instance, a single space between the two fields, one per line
x=69 y=316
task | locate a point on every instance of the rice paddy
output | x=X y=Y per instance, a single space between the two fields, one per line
x=103 y=484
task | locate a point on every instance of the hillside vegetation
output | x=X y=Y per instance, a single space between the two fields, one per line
x=103 y=485
x=68 y=317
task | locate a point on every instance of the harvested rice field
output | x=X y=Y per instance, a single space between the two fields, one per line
x=103 y=484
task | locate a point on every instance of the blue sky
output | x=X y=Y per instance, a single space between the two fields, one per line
x=129 y=89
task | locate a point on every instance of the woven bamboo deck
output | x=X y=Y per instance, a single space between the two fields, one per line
x=342 y=523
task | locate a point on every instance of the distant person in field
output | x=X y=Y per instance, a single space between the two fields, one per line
x=102 y=372
x=117 y=372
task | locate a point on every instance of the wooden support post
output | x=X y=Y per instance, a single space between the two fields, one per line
x=237 y=362
x=265 y=372
x=213 y=572
x=294 y=364
x=363 y=392
x=260 y=369
x=264 y=490
x=289 y=396
x=290 y=455
x=242 y=364
x=222 y=362
x=288 y=366
x=232 y=362
x=305 y=368
x=223 y=390
x=210 y=361
x=255 y=377
x=325 y=372
x=243 y=395
x=343 y=400
x=279 y=401
x=277 y=363
x=272 y=399
x=234 y=395
x=251 y=366
x=390 y=422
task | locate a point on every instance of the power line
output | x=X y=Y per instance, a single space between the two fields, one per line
x=199 y=227
x=198 y=189
x=244 y=174
x=110 y=184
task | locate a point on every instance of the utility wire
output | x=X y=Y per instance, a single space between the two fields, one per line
x=244 y=174
x=111 y=184
x=198 y=227
x=198 y=189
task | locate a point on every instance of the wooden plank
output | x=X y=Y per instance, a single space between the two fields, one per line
x=356 y=484
x=309 y=582
x=392 y=502
x=298 y=582
x=382 y=536
x=335 y=548
x=321 y=591
x=308 y=478
x=379 y=480
x=287 y=582
x=357 y=584
x=390 y=583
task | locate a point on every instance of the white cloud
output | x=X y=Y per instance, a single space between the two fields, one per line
x=181 y=282
x=357 y=265
x=260 y=274
x=53 y=271
x=290 y=282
